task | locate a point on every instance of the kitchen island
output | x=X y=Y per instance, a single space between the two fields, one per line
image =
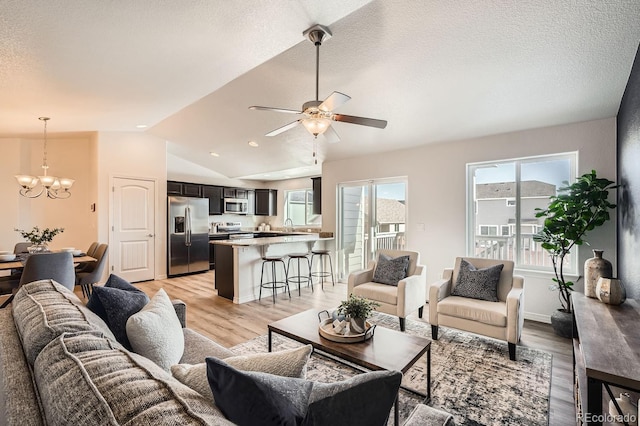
x=238 y=262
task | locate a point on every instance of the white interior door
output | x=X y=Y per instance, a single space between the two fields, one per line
x=133 y=239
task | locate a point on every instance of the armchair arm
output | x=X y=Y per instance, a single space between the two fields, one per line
x=515 y=310
x=412 y=292
x=359 y=277
x=438 y=291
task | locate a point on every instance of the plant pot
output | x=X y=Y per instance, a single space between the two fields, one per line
x=357 y=325
x=562 y=323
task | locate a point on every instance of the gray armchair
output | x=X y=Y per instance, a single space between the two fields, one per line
x=408 y=296
x=502 y=320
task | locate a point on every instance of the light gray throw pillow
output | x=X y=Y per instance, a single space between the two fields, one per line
x=155 y=331
x=286 y=363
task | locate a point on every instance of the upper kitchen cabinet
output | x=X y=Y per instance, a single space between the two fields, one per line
x=184 y=189
x=317 y=195
x=214 y=194
x=241 y=193
x=266 y=202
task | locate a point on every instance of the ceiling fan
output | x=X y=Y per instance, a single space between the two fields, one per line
x=317 y=115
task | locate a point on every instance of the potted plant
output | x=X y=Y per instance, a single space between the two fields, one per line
x=39 y=238
x=357 y=309
x=577 y=209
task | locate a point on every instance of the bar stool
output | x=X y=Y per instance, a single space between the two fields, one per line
x=299 y=278
x=274 y=284
x=322 y=273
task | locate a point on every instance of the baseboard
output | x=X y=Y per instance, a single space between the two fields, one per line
x=161 y=277
x=537 y=317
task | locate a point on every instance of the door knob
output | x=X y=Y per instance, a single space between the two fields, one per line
x=150 y=235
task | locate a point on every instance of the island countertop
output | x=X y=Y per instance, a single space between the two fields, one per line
x=262 y=241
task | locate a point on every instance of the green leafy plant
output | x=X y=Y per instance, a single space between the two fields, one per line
x=577 y=209
x=357 y=307
x=37 y=236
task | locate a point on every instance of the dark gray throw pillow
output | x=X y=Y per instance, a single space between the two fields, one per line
x=250 y=398
x=115 y=302
x=475 y=283
x=390 y=271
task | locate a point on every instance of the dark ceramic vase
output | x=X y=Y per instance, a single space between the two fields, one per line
x=562 y=323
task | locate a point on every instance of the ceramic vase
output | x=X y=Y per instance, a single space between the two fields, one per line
x=628 y=407
x=595 y=268
x=611 y=291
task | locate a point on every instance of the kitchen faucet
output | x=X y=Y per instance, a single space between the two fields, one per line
x=288 y=225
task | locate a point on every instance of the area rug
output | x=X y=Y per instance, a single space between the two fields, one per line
x=471 y=376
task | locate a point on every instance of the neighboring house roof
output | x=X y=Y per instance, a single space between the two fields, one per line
x=390 y=211
x=528 y=188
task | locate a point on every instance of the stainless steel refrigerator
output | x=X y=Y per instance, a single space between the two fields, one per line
x=188 y=235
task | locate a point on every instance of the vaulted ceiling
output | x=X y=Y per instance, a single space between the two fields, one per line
x=435 y=70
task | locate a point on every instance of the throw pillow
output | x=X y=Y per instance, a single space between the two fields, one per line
x=248 y=398
x=287 y=363
x=479 y=284
x=118 y=301
x=390 y=271
x=156 y=333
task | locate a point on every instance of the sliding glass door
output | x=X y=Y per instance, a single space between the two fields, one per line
x=371 y=216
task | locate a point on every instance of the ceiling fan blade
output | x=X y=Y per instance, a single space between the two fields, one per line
x=283 y=128
x=371 y=122
x=333 y=101
x=330 y=135
x=262 y=108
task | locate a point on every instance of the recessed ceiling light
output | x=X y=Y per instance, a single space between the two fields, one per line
x=141 y=126
x=214 y=154
x=254 y=144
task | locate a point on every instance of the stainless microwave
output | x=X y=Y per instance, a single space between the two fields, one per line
x=236 y=205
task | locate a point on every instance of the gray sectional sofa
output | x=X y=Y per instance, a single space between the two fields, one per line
x=61 y=364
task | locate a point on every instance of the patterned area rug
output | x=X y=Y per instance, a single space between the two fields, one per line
x=471 y=376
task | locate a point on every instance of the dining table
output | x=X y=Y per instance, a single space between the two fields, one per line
x=18 y=263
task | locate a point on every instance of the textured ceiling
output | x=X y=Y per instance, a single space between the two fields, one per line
x=436 y=70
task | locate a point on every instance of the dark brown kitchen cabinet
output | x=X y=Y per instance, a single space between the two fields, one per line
x=191 y=190
x=266 y=202
x=317 y=195
x=214 y=194
x=174 y=188
x=236 y=193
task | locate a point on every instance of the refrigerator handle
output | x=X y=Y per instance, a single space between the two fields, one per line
x=187 y=233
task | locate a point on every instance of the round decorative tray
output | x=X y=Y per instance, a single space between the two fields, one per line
x=325 y=328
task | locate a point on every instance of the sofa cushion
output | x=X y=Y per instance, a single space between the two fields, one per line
x=249 y=398
x=118 y=300
x=378 y=292
x=492 y=313
x=390 y=270
x=156 y=333
x=477 y=283
x=286 y=363
x=43 y=310
x=84 y=379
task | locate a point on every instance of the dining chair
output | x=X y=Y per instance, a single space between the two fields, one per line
x=9 y=283
x=92 y=273
x=82 y=266
x=41 y=266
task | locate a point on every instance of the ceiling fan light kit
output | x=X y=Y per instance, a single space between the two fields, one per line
x=318 y=115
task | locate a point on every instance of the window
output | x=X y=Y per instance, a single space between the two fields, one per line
x=501 y=205
x=298 y=206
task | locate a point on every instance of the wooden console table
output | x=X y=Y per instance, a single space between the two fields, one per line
x=606 y=352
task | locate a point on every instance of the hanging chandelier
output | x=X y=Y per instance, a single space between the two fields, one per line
x=52 y=186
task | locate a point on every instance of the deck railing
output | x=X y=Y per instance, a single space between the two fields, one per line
x=498 y=247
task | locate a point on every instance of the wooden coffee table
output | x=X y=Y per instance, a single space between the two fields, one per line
x=386 y=350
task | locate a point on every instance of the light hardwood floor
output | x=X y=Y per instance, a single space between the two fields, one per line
x=230 y=324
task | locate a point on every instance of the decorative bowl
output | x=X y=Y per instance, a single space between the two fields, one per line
x=77 y=252
x=69 y=249
x=7 y=257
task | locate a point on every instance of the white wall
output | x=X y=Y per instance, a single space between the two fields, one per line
x=132 y=155
x=437 y=192
x=69 y=155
